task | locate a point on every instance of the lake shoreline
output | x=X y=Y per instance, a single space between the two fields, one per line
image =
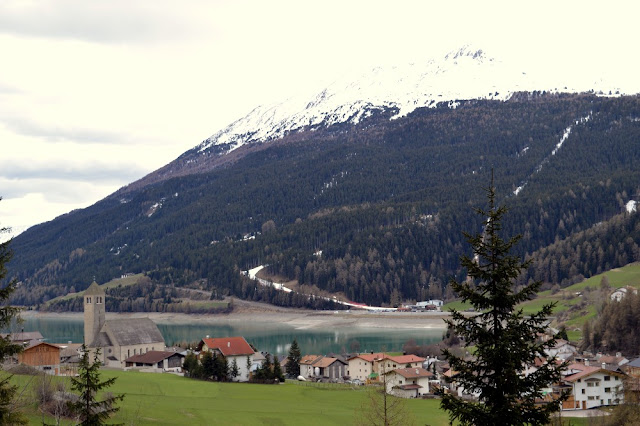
x=298 y=319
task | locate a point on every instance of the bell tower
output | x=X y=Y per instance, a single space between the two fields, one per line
x=93 y=312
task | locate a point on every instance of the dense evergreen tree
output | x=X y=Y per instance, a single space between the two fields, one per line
x=277 y=369
x=234 y=370
x=293 y=359
x=505 y=341
x=88 y=409
x=8 y=412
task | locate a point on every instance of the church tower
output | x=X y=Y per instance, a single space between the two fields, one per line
x=93 y=312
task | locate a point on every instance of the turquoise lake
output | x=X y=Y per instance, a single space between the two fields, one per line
x=274 y=338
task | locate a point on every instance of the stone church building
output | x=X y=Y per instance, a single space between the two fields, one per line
x=117 y=339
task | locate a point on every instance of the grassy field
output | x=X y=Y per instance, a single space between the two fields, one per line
x=164 y=399
x=126 y=281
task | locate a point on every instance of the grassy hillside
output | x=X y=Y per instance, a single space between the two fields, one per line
x=577 y=303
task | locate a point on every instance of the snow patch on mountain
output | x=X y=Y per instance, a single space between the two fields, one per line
x=563 y=139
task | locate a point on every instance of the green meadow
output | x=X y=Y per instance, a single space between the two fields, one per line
x=165 y=399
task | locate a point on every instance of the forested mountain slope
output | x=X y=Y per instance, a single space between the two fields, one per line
x=373 y=210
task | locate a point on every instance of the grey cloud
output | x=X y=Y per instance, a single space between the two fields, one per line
x=27 y=127
x=101 y=22
x=99 y=173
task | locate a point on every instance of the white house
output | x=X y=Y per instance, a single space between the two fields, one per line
x=562 y=350
x=592 y=387
x=408 y=382
x=233 y=349
x=621 y=292
x=307 y=365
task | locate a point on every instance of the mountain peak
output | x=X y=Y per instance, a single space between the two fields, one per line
x=463 y=74
x=468 y=51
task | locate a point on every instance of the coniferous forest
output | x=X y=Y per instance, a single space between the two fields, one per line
x=373 y=212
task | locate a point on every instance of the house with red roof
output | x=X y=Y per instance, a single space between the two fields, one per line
x=592 y=387
x=408 y=382
x=233 y=349
x=361 y=366
x=370 y=366
x=389 y=363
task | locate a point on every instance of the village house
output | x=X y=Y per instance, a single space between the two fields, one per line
x=156 y=361
x=368 y=367
x=591 y=387
x=620 y=293
x=632 y=368
x=42 y=356
x=306 y=365
x=562 y=350
x=387 y=363
x=23 y=338
x=408 y=382
x=361 y=366
x=118 y=339
x=233 y=349
x=611 y=362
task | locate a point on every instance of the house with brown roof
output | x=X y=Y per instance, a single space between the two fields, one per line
x=117 y=339
x=388 y=363
x=156 y=361
x=592 y=387
x=408 y=382
x=233 y=349
x=42 y=356
x=24 y=337
x=306 y=365
x=361 y=366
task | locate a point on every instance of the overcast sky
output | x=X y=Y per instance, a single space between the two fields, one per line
x=94 y=95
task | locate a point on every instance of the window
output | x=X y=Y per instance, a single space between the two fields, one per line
x=88 y=299
x=607 y=378
x=583 y=391
x=607 y=390
x=591 y=398
x=98 y=300
x=592 y=384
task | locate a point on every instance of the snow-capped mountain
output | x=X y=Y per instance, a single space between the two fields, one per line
x=461 y=75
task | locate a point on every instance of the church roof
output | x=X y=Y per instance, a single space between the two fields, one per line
x=94 y=289
x=101 y=341
x=134 y=331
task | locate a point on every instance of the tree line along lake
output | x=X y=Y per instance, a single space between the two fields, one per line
x=265 y=336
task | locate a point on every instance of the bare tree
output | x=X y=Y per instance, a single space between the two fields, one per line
x=382 y=409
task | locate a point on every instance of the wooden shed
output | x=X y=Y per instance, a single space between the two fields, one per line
x=43 y=356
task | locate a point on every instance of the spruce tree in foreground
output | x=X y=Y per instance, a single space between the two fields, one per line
x=504 y=339
x=88 y=409
x=8 y=412
x=293 y=360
